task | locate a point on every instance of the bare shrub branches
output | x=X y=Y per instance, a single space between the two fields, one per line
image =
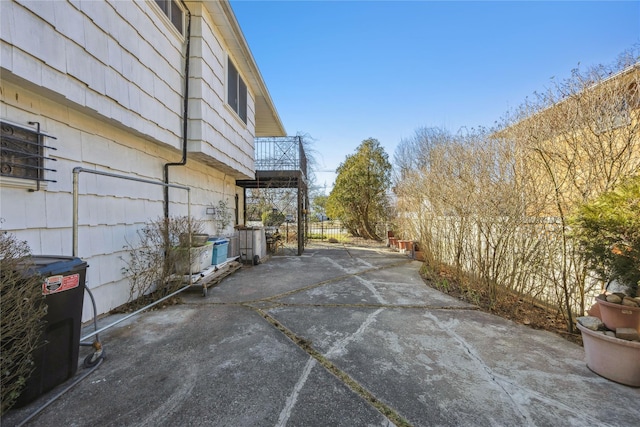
x=495 y=204
x=153 y=259
x=23 y=311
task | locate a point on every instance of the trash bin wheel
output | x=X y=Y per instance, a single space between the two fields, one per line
x=92 y=359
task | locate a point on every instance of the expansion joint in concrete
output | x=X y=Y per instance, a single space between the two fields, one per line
x=368 y=305
x=357 y=388
x=328 y=281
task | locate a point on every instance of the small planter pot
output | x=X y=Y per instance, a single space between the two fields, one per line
x=196 y=239
x=404 y=245
x=618 y=316
x=200 y=256
x=612 y=358
x=393 y=242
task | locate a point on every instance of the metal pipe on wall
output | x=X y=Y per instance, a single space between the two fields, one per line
x=76 y=180
x=185 y=116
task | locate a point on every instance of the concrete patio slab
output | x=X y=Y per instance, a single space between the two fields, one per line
x=341 y=336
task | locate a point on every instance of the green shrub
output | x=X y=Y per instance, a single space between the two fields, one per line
x=272 y=218
x=608 y=231
x=317 y=236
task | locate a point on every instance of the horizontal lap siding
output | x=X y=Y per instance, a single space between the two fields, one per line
x=217 y=132
x=105 y=78
x=111 y=211
x=115 y=59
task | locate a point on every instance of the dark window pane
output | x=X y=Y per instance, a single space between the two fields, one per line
x=163 y=6
x=242 y=107
x=232 y=86
x=176 y=15
x=21 y=153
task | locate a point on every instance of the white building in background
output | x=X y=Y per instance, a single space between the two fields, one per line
x=100 y=84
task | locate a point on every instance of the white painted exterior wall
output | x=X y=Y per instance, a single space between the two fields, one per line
x=106 y=78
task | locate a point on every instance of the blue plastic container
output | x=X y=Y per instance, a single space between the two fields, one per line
x=220 y=248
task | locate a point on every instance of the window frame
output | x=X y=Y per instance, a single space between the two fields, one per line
x=610 y=121
x=238 y=103
x=167 y=8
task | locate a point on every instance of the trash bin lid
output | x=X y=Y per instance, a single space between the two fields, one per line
x=51 y=265
x=221 y=241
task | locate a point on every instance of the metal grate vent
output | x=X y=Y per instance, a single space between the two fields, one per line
x=22 y=153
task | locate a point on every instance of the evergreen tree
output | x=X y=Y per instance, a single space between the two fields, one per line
x=359 y=196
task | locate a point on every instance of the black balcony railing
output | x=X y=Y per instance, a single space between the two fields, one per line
x=280 y=163
x=284 y=153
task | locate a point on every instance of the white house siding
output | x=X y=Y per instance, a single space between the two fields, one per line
x=110 y=210
x=118 y=60
x=216 y=132
x=106 y=79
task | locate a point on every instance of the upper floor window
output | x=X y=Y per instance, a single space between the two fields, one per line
x=614 y=109
x=236 y=91
x=613 y=115
x=174 y=12
x=22 y=153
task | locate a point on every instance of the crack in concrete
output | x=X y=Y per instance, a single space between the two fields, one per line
x=367 y=284
x=340 y=346
x=522 y=411
x=261 y=305
x=503 y=383
x=293 y=397
x=391 y=415
x=552 y=402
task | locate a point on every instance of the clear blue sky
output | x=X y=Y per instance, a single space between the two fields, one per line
x=344 y=71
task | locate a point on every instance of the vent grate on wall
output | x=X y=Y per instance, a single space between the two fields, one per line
x=22 y=153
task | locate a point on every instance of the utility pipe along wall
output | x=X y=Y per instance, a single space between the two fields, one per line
x=185 y=115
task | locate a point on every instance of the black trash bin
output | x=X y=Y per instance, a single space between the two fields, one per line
x=56 y=358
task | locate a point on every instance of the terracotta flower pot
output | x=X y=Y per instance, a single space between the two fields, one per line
x=618 y=316
x=404 y=245
x=612 y=358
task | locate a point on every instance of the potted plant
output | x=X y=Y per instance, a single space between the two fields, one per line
x=194 y=252
x=609 y=356
x=161 y=254
x=608 y=232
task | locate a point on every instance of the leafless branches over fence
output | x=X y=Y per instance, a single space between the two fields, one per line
x=496 y=204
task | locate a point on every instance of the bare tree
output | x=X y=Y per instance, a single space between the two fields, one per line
x=578 y=140
x=495 y=203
